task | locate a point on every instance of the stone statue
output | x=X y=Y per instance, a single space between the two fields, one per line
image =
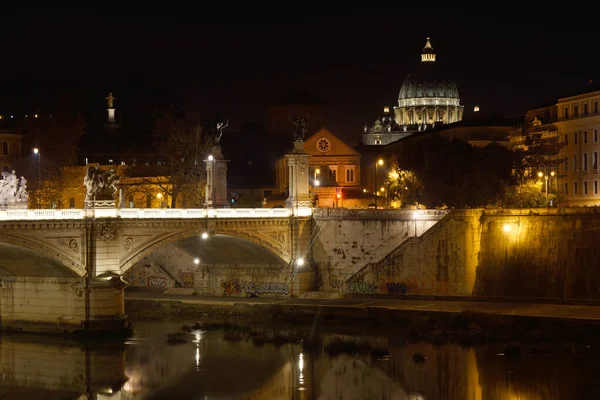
x=21 y=194
x=100 y=185
x=300 y=127
x=12 y=191
x=110 y=100
x=219 y=133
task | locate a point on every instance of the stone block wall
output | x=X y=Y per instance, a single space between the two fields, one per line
x=532 y=253
x=553 y=254
x=244 y=280
x=344 y=241
x=59 y=304
x=165 y=268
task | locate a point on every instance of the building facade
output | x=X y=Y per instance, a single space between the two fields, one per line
x=335 y=172
x=10 y=148
x=426 y=98
x=578 y=127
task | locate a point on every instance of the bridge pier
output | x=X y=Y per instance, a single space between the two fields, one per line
x=62 y=305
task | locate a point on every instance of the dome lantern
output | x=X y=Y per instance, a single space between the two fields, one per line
x=428 y=55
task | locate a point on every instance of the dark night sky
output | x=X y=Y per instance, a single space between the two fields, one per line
x=354 y=60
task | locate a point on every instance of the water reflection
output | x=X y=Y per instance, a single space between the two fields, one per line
x=41 y=367
x=229 y=365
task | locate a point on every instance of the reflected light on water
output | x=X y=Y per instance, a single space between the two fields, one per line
x=197 y=338
x=301 y=374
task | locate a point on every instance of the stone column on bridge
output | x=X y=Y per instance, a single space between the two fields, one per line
x=216 y=179
x=298 y=175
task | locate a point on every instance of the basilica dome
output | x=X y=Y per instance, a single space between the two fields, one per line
x=427 y=84
x=428 y=81
x=427 y=96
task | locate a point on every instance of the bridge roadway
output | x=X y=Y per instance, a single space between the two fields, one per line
x=578 y=311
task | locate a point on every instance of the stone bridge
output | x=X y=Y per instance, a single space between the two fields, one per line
x=63 y=268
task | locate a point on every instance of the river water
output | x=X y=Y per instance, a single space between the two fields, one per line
x=161 y=361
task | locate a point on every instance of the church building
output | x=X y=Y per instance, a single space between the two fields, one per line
x=427 y=98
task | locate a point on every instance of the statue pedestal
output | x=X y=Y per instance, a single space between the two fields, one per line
x=16 y=206
x=216 y=179
x=298 y=172
x=93 y=204
x=111 y=115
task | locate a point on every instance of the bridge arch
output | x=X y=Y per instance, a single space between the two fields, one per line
x=272 y=246
x=35 y=248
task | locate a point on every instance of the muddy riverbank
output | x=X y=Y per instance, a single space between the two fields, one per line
x=435 y=327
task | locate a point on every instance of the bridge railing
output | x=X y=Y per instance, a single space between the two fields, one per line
x=143 y=213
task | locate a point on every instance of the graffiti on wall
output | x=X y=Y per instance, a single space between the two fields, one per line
x=231 y=288
x=157 y=281
x=397 y=288
x=337 y=281
x=187 y=279
x=361 y=287
x=255 y=288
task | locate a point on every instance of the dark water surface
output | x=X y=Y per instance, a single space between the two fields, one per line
x=231 y=364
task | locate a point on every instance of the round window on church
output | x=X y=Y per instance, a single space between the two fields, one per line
x=323 y=145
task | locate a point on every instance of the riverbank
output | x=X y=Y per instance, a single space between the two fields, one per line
x=433 y=321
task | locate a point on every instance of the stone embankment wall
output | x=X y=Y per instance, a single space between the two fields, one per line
x=535 y=253
x=50 y=304
x=344 y=241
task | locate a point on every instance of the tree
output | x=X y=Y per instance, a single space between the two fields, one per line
x=180 y=173
x=57 y=137
x=403 y=186
x=529 y=194
x=455 y=174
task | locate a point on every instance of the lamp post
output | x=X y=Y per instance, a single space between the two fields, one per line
x=160 y=201
x=546 y=175
x=379 y=162
x=211 y=158
x=36 y=151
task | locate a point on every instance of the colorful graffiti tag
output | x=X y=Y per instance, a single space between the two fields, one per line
x=231 y=288
x=187 y=279
x=255 y=288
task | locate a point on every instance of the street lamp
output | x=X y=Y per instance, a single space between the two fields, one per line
x=159 y=197
x=546 y=175
x=379 y=162
x=36 y=151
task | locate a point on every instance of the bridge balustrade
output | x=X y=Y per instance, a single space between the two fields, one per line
x=130 y=213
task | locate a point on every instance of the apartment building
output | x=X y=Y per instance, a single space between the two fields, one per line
x=578 y=129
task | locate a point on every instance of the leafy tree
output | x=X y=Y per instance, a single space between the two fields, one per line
x=56 y=136
x=455 y=174
x=529 y=194
x=180 y=172
x=403 y=186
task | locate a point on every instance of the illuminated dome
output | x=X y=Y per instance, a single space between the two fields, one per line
x=427 y=84
x=427 y=97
